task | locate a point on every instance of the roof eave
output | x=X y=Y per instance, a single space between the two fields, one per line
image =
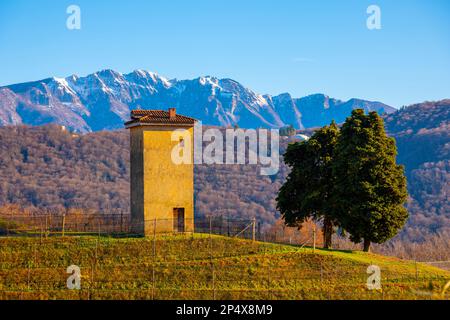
x=129 y=125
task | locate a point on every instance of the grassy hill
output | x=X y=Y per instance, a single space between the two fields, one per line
x=202 y=267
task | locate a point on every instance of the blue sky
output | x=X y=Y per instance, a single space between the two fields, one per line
x=300 y=47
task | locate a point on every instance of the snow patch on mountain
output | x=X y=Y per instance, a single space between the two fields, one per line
x=103 y=100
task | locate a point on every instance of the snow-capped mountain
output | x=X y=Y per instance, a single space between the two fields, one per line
x=103 y=100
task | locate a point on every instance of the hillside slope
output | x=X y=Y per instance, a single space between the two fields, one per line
x=203 y=267
x=422 y=132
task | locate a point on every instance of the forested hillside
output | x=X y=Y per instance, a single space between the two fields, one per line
x=422 y=132
x=49 y=167
x=52 y=168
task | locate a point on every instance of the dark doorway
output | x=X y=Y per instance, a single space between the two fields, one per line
x=178 y=219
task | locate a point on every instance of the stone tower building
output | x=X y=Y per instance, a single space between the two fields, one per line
x=162 y=189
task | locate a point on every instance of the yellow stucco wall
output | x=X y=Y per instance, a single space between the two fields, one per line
x=158 y=185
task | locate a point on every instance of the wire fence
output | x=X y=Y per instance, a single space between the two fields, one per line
x=122 y=225
x=37 y=251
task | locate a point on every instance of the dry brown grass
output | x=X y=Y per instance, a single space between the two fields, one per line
x=435 y=247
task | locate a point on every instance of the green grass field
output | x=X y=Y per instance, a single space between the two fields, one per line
x=202 y=267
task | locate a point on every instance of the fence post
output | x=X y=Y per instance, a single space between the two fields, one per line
x=46 y=225
x=41 y=235
x=210 y=226
x=314 y=239
x=63 y=224
x=121 y=221
x=194 y=228
x=210 y=237
x=213 y=281
x=211 y=257
x=154 y=237
x=254 y=229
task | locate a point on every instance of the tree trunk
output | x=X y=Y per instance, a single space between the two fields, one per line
x=366 y=245
x=327 y=233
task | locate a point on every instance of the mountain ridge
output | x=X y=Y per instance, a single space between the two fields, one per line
x=103 y=100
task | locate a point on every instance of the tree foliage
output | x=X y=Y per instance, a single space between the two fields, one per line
x=370 y=189
x=348 y=178
x=308 y=190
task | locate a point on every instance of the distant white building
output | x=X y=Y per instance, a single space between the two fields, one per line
x=301 y=137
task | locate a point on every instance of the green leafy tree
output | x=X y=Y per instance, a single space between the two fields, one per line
x=308 y=190
x=370 y=188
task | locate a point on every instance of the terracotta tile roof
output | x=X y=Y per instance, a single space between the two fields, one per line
x=158 y=117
